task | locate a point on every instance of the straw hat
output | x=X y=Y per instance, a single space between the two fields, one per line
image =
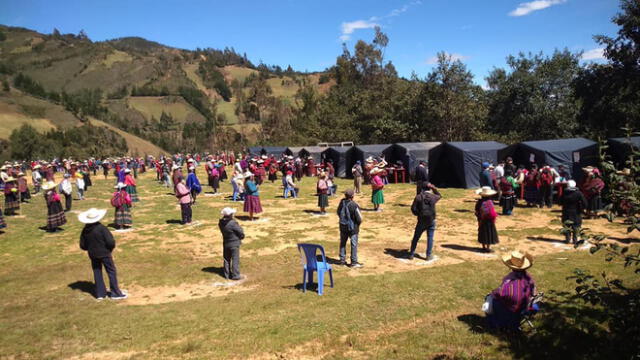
x=486 y=191
x=588 y=169
x=48 y=186
x=226 y=212
x=92 y=215
x=37 y=167
x=376 y=170
x=127 y=171
x=20 y=173
x=571 y=185
x=175 y=167
x=120 y=185
x=10 y=179
x=248 y=174
x=518 y=261
x=625 y=172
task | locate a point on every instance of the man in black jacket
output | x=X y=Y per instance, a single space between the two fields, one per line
x=350 y=220
x=422 y=176
x=573 y=204
x=232 y=236
x=424 y=208
x=97 y=240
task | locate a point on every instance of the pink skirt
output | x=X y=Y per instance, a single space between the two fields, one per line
x=252 y=204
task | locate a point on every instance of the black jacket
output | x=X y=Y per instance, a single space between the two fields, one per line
x=573 y=203
x=422 y=174
x=232 y=233
x=425 y=198
x=354 y=213
x=97 y=240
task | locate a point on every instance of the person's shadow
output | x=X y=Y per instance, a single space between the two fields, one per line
x=214 y=270
x=173 y=221
x=397 y=253
x=83 y=286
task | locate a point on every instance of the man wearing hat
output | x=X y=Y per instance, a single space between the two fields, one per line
x=573 y=204
x=350 y=220
x=66 y=190
x=97 y=240
x=232 y=235
x=424 y=208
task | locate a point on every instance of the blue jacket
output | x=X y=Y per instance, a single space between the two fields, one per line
x=193 y=183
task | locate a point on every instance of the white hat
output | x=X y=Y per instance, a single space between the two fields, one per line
x=48 y=185
x=120 y=185
x=175 y=167
x=92 y=215
x=263 y=157
x=486 y=191
x=126 y=171
x=248 y=174
x=571 y=184
x=228 y=211
x=191 y=168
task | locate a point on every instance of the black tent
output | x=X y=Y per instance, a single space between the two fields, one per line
x=574 y=154
x=411 y=153
x=620 y=149
x=362 y=152
x=314 y=151
x=340 y=155
x=255 y=150
x=460 y=163
x=293 y=150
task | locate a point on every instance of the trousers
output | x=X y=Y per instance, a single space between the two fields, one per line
x=110 y=268
x=185 y=210
x=345 y=234
x=231 y=262
x=421 y=227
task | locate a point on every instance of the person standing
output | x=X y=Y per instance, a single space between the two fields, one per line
x=80 y=184
x=55 y=212
x=232 y=235
x=97 y=240
x=573 y=204
x=11 y=197
x=485 y=176
x=357 y=176
x=486 y=215
x=252 y=196
x=546 y=186
x=422 y=176
x=322 y=188
x=215 y=179
x=36 y=178
x=532 y=186
x=130 y=182
x=350 y=220
x=66 y=190
x=592 y=187
x=184 y=199
x=23 y=188
x=377 y=196
x=121 y=201
x=193 y=184
x=508 y=187
x=424 y=208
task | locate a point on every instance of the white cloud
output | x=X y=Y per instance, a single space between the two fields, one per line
x=453 y=57
x=529 y=7
x=593 y=54
x=349 y=27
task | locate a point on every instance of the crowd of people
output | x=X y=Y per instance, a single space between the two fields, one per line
x=503 y=184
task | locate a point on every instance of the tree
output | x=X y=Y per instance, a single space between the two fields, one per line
x=610 y=93
x=25 y=143
x=535 y=98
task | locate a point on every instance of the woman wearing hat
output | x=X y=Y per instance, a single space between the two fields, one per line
x=215 y=179
x=131 y=185
x=55 y=212
x=193 y=184
x=184 y=198
x=97 y=240
x=80 y=185
x=252 y=196
x=232 y=235
x=508 y=186
x=23 y=188
x=36 y=178
x=532 y=186
x=121 y=201
x=11 y=197
x=377 y=197
x=486 y=215
x=513 y=296
x=322 y=188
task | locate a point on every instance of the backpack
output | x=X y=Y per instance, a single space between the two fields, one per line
x=487 y=212
x=345 y=217
x=426 y=210
x=117 y=200
x=546 y=178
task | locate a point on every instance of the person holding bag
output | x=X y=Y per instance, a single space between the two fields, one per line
x=377 y=197
x=55 y=212
x=486 y=215
x=121 y=201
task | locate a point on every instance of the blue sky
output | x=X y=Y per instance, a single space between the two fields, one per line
x=308 y=35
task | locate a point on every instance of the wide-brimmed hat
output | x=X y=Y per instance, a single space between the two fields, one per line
x=175 y=167
x=517 y=260
x=264 y=157
x=588 y=169
x=376 y=170
x=625 y=172
x=248 y=174
x=92 y=215
x=10 y=178
x=228 y=211
x=486 y=191
x=48 y=185
x=571 y=185
x=126 y=171
x=20 y=173
x=37 y=167
x=120 y=185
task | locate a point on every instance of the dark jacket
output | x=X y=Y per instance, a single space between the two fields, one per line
x=425 y=198
x=422 y=174
x=354 y=213
x=573 y=203
x=232 y=233
x=97 y=240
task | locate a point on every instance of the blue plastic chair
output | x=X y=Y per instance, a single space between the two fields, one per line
x=310 y=264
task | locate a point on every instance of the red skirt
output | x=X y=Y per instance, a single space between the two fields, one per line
x=252 y=204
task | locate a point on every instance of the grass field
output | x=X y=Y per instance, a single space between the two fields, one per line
x=179 y=306
x=179 y=109
x=137 y=146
